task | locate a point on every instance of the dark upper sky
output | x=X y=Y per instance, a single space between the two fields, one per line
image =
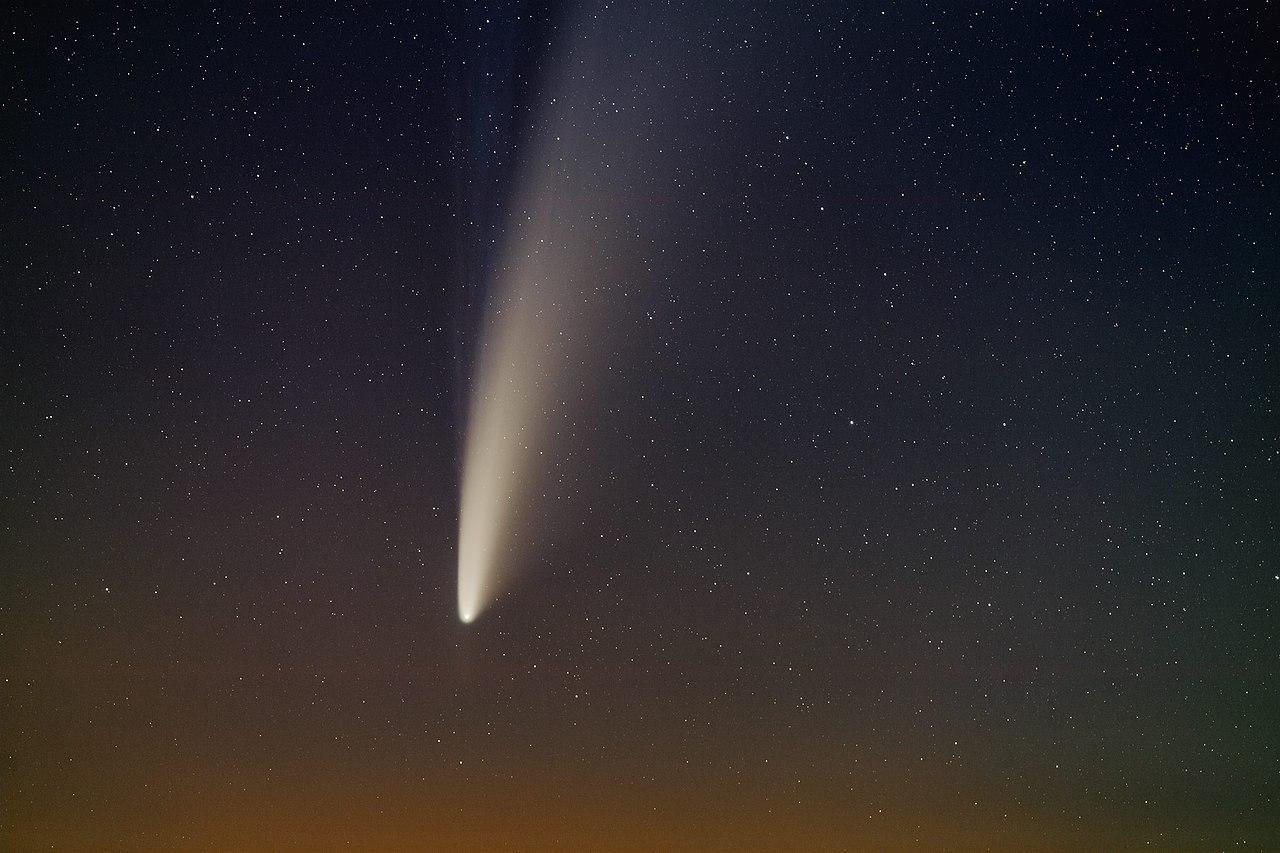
x=924 y=496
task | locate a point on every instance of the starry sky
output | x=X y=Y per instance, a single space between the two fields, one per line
x=910 y=484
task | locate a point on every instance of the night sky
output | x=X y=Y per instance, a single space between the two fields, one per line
x=908 y=474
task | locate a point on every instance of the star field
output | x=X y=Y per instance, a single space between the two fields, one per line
x=907 y=479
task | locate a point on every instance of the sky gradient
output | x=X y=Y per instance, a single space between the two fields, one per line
x=905 y=472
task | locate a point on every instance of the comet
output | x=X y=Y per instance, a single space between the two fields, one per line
x=541 y=337
x=536 y=332
x=562 y=287
x=506 y=424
